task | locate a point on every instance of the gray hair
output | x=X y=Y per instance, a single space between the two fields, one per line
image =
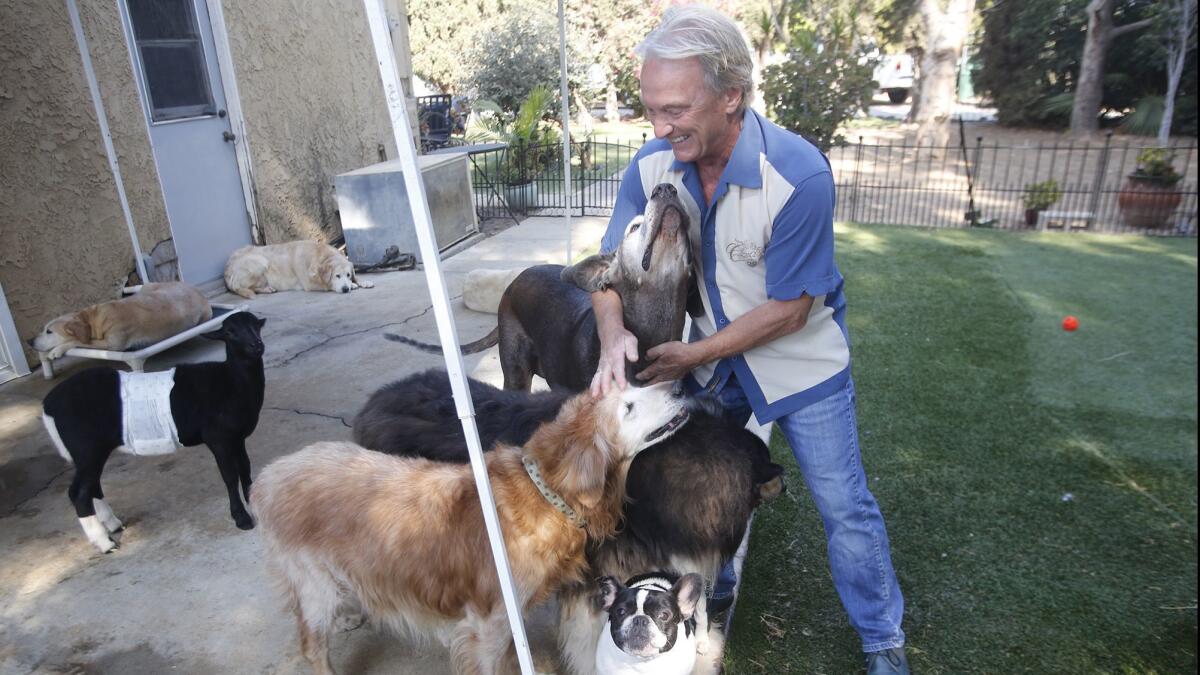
x=711 y=37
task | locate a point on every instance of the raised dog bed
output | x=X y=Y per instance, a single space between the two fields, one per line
x=137 y=359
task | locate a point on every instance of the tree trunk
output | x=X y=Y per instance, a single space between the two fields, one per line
x=1177 y=43
x=1089 y=88
x=945 y=34
x=612 y=113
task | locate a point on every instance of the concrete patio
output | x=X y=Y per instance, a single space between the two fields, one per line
x=187 y=592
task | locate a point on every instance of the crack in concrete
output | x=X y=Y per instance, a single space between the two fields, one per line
x=312 y=412
x=16 y=507
x=330 y=338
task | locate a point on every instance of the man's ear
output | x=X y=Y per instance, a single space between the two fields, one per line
x=688 y=591
x=592 y=274
x=608 y=588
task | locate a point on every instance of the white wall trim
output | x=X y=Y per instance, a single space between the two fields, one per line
x=12 y=357
x=233 y=106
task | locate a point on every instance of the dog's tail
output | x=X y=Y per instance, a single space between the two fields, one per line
x=489 y=340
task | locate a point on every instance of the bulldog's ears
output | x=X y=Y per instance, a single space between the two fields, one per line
x=608 y=588
x=591 y=274
x=688 y=591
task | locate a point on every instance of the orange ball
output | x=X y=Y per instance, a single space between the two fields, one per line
x=1070 y=323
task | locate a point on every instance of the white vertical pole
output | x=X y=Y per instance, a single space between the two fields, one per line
x=102 y=119
x=441 y=308
x=566 y=114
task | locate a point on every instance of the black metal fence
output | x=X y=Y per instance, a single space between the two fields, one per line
x=528 y=179
x=889 y=182
x=903 y=183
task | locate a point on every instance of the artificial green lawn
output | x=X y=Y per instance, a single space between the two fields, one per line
x=1039 y=486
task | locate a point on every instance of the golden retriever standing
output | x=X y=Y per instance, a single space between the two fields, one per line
x=154 y=313
x=294 y=266
x=404 y=538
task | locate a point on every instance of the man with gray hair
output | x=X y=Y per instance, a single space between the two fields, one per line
x=772 y=340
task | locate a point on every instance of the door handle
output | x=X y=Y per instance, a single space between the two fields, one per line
x=229 y=136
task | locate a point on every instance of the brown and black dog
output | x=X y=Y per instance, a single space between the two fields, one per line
x=545 y=324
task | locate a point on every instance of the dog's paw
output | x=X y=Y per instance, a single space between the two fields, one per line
x=365 y=284
x=107 y=546
x=267 y=289
x=243 y=521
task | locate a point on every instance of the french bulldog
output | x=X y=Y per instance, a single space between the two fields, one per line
x=651 y=627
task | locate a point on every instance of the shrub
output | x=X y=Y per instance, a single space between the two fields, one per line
x=512 y=55
x=1042 y=195
x=1157 y=164
x=531 y=140
x=823 y=82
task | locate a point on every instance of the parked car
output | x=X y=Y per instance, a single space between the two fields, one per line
x=895 y=76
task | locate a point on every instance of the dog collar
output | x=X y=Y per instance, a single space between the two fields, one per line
x=551 y=496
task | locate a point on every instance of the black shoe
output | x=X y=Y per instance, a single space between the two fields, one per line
x=716 y=605
x=888 y=662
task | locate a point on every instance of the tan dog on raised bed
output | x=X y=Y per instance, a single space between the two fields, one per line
x=154 y=313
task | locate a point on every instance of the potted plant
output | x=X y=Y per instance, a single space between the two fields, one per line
x=530 y=141
x=1151 y=193
x=1039 y=197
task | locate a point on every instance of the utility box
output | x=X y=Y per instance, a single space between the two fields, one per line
x=376 y=214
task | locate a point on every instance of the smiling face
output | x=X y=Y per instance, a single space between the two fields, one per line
x=701 y=125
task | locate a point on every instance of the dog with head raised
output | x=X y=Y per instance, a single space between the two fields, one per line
x=545 y=324
x=651 y=627
x=404 y=538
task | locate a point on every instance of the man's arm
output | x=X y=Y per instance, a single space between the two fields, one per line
x=769 y=321
x=616 y=343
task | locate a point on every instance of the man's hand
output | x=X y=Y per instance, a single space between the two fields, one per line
x=615 y=348
x=669 y=361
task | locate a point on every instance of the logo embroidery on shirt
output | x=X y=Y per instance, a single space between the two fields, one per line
x=744 y=252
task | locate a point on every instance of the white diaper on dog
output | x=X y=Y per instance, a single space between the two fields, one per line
x=147 y=426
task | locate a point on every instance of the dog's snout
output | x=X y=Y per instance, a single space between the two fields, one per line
x=678 y=390
x=665 y=189
x=641 y=621
x=30 y=342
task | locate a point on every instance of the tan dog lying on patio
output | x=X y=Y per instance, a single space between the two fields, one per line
x=294 y=266
x=404 y=538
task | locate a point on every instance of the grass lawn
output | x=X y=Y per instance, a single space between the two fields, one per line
x=1039 y=486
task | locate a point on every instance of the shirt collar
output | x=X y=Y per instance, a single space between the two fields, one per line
x=743 y=166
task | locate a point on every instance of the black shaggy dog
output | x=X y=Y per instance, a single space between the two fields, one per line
x=690 y=496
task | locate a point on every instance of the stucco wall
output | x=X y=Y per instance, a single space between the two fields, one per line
x=313 y=106
x=63 y=239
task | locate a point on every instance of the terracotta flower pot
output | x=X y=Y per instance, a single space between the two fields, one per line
x=1148 y=202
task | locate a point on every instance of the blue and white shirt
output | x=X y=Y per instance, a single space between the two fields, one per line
x=767 y=235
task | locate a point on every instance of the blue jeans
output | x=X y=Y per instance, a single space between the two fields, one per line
x=824 y=441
